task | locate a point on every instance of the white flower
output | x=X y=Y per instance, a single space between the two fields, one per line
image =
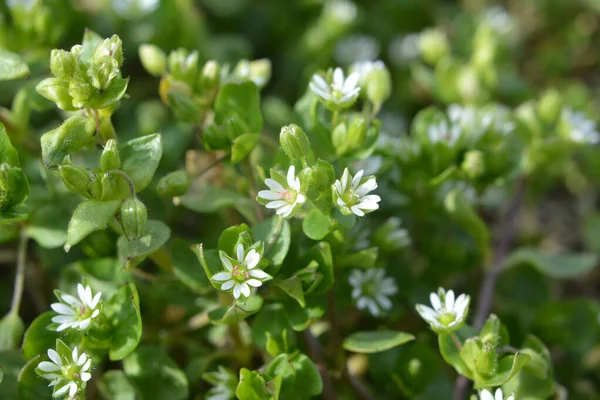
x=404 y=49
x=243 y=274
x=487 y=395
x=582 y=130
x=448 y=313
x=350 y=194
x=499 y=20
x=364 y=68
x=341 y=93
x=444 y=132
x=76 y=313
x=67 y=376
x=283 y=199
x=371 y=289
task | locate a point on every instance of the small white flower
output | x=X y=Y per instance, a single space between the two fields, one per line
x=341 y=93
x=350 y=194
x=444 y=132
x=499 y=20
x=67 y=376
x=283 y=199
x=76 y=313
x=243 y=274
x=448 y=313
x=582 y=129
x=404 y=49
x=487 y=395
x=371 y=289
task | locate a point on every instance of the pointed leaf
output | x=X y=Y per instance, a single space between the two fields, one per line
x=90 y=216
x=376 y=341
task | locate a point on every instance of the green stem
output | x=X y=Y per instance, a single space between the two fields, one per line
x=334 y=119
x=20 y=277
x=126 y=177
x=260 y=214
x=456 y=341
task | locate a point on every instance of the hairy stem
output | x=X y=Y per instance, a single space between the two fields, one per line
x=20 y=276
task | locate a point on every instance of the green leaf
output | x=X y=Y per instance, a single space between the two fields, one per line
x=508 y=367
x=74 y=134
x=452 y=355
x=376 y=341
x=241 y=309
x=111 y=94
x=275 y=233
x=13 y=215
x=560 y=266
x=242 y=146
x=211 y=263
x=464 y=215
x=11 y=363
x=187 y=267
x=132 y=252
x=90 y=216
x=116 y=386
x=364 y=259
x=206 y=199
x=308 y=378
x=123 y=313
x=12 y=66
x=38 y=338
x=241 y=100
x=316 y=225
x=31 y=386
x=301 y=318
x=48 y=226
x=321 y=253
x=229 y=238
x=11 y=331
x=535 y=381
x=293 y=287
x=8 y=154
x=91 y=40
x=155 y=375
x=252 y=386
x=140 y=158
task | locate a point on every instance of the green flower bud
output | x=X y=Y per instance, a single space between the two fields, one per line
x=14 y=187
x=550 y=106
x=210 y=75
x=103 y=72
x=357 y=132
x=183 y=65
x=321 y=177
x=133 y=218
x=434 y=45
x=11 y=331
x=97 y=189
x=56 y=90
x=339 y=137
x=80 y=91
x=487 y=361
x=76 y=50
x=468 y=85
x=76 y=179
x=174 y=184
x=474 y=164
x=294 y=142
x=112 y=47
x=153 y=59
x=62 y=63
x=379 y=85
x=110 y=156
x=258 y=71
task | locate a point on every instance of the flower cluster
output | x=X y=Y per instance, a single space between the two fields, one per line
x=68 y=373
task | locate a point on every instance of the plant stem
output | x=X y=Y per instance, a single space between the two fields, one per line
x=486 y=294
x=126 y=177
x=334 y=119
x=211 y=166
x=260 y=214
x=20 y=276
x=456 y=341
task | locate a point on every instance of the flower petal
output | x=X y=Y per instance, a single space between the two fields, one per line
x=221 y=276
x=338 y=78
x=72 y=389
x=366 y=187
x=85 y=376
x=81 y=292
x=274 y=185
x=245 y=289
x=54 y=357
x=64 y=390
x=435 y=301
x=71 y=300
x=252 y=259
x=357 y=178
x=291 y=175
x=258 y=273
x=449 y=300
x=269 y=195
x=254 y=282
x=62 y=309
x=96 y=300
x=228 y=285
x=237 y=290
x=240 y=252
x=351 y=82
x=277 y=204
x=357 y=211
x=47 y=366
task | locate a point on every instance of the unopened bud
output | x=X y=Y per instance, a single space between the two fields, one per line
x=153 y=59
x=321 y=177
x=294 y=142
x=379 y=85
x=434 y=45
x=174 y=184
x=112 y=47
x=357 y=132
x=62 y=63
x=11 y=331
x=14 y=187
x=110 y=156
x=210 y=75
x=76 y=179
x=76 y=50
x=474 y=164
x=468 y=85
x=103 y=72
x=487 y=361
x=134 y=217
x=339 y=138
x=183 y=65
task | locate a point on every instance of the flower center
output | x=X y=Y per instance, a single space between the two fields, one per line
x=240 y=274
x=289 y=195
x=446 y=318
x=83 y=312
x=70 y=372
x=350 y=198
x=337 y=93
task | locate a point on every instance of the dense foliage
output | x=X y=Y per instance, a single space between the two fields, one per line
x=302 y=199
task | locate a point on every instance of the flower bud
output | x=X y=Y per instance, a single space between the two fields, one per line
x=321 y=177
x=379 y=85
x=487 y=361
x=76 y=50
x=112 y=47
x=339 y=138
x=468 y=85
x=183 y=66
x=76 y=179
x=11 y=331
x=103 y=72
x=62 y=63
x=153 y=59
x=210 y=75
x=260 y=71
x=110 y=156
x=174 y=184
x=80 y=91
x=294 y=142
x=96 y=187
x=14 y=187
x=56 y=90
x=434 y=45
x=474 y=164
x=357 y=132
x=133 y=218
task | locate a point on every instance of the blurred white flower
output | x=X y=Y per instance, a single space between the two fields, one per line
x=67 y=376
x=354 y=48
x=243 y=274
x=76 y=313
x=404 y=49
x=132 y=9
x=363 y=68
x=341 y=93
x=284 y=199
x=581 y=129
x=500 y=20
x=340 y=11
x=350 y=194
x=448 y=313
x=371 y=290
x=487 y=395
x=444 y=131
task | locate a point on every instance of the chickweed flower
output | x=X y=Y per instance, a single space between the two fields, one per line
x=68 y=375
x=581 y=129
x=487 y=395
x=341 y=93
x=285 y=197
x=241 y=273
x=448 y=313
x=350 y=194
x=76 y=313
x=371 y=289
x=444 y=131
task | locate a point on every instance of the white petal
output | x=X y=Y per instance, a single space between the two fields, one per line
x=54 y=357
x=351 y=82
x=85 y=376
x=82 y=359
x=320 y=82
x=237 y=290
x=75 y=354
x=486 y=395
x=245 y=289
x=228 y=285
x=71 y=299
x=361 y=304
x=222 y=276
x=357 y=211
x=240 y=252
x=269 y=195
x=62 y=309
x=85 y=323
x=96 y=299
x=341 y=202
x=277 y=204
x=63 y=326
x=254 y=282
x=435 y=301
x=319 y=92
x=338 y=187
x=252 y=259
x=338 y=78
x=81 y=292
x=367 y=205
x=47 y=366
x=383 y=301
x=62 y=390
x=286 y=209
x=345 y=179
x=258 y=273
x=300 y=198
x=349 y=96
x=274 y=185
x=61 y=319
x=357 y=178
x=88 y=296
x=87 y=365
x=226 y=261
x=449 y=300
x=427 y=313
x=366 y=187
x=291 y=176
x=373 y=309
x=458 y=302
x=296 y=185
x=371 y=198
x=356 y=292
x=72 y=389
x=499 y=394
x=95 y=313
